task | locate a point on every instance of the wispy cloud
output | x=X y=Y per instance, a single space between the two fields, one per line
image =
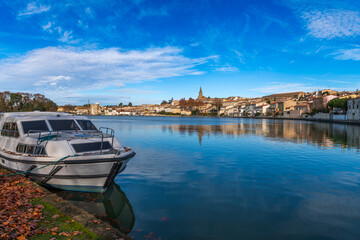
x=70 y=70
x=348 y=54
x=47 y=26
x=66 y=37
x=157 y=12
x=135 y=91
x=331 y=23
x=63 y=36
x=33 y=8
x=226 y=68
x=287 y=87
x=52 y=80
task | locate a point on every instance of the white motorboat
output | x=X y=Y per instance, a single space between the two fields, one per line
x=61 y=150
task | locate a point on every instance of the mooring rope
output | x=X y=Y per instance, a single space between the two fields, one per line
x=62 y=159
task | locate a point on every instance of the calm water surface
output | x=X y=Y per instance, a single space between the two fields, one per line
x=211 y=178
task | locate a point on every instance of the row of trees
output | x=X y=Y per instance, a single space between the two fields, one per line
x=183 y=103
x=124 y=105
x=22 y=102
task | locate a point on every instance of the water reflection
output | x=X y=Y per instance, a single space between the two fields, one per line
x=322 y=134
x=111 y=206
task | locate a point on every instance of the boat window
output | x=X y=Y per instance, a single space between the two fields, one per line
x=20 y=148
x=36 y=126
x=89 y=147
x=28 y=149
x=86 y=125
x=38 y=150
x=63 y=125
x=10 y=129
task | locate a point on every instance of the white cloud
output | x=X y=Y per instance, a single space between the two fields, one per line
x=33 y=8
x=331 y=23
x=348 y=54
x=55 y=70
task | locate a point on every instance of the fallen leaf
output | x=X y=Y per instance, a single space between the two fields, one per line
x=66 y=234
x=75 y=233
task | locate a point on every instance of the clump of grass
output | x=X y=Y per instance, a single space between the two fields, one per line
x=55 y=219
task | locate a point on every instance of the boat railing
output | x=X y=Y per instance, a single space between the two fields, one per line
x=40 y=132
x=109 y=133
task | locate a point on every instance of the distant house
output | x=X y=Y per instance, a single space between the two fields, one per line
x=353 y=112
x=273 y=108
x=261 y=109
x=284 y=96
x=82 y=110
x=287 y=105
x=185 y=112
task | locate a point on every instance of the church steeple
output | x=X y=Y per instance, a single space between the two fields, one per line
x=200 y=93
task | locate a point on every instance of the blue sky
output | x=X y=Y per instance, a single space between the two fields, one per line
x=145 y=51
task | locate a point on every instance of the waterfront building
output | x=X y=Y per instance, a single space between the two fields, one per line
x=261 y=109
x=95 y=109
x=287 y=105
x=353 y=112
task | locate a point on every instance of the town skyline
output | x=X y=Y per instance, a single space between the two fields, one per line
x=147 y=51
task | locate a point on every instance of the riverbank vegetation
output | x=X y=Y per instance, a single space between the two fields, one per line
x=23 y=102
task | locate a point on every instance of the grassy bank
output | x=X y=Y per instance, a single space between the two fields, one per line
x=28 y=211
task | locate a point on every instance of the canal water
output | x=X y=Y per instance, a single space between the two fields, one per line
x=220 y=178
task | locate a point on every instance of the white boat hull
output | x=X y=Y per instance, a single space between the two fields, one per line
x=78 y=173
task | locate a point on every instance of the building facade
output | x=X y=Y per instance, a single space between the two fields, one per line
x=353 y=112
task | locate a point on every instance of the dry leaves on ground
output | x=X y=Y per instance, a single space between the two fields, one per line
x=18 y=217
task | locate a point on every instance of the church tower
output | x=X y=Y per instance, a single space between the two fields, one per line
x=200 y=93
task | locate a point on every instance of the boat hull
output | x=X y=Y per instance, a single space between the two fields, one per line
x=78 y=173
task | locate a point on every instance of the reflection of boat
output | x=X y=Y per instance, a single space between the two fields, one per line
x=111 y=206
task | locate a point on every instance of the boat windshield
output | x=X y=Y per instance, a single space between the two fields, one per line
x=63 y=125
x=90 y=147
x=86 y=125
x=36 y=126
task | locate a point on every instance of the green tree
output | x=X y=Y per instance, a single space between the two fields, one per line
x=340 y=103
x=130 y=104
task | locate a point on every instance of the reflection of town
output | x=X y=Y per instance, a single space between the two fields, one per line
x=322 y=134
x=111 y=206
